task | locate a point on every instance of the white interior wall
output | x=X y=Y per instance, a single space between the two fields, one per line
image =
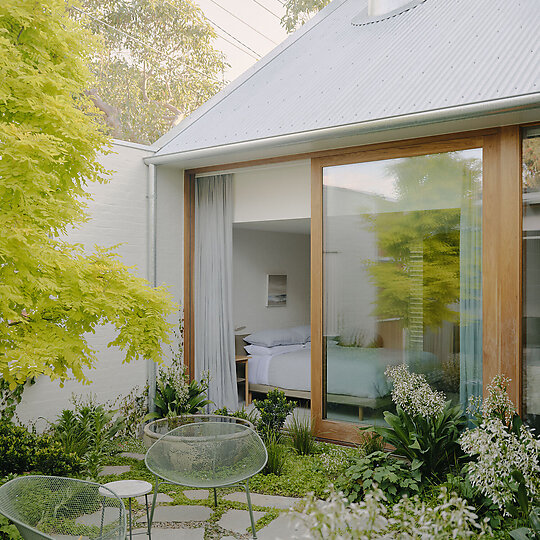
x=273 y=192
x=257 y=254
x=118 y=216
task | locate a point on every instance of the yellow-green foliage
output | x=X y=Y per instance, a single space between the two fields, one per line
x=52 y=293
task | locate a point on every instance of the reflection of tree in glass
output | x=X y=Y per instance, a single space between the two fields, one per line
x=415 y=220
x=531 y=164
x=157 y=66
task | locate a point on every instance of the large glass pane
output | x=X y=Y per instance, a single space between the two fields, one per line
x=531 y=278
x=402 y=277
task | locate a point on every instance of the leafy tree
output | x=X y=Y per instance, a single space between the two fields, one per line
x=51 y=292
x=157 y=66
x=422 y=182
x=299 y=12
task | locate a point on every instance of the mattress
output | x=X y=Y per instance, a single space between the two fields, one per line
x=351 y=371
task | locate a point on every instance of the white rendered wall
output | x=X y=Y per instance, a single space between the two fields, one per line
x=256 y=254
x=118 y=215
x=169 y=236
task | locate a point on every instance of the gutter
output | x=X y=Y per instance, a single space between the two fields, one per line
x=151 y=262
x=461 y=112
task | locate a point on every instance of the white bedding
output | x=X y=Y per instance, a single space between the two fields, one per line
x=352 y=371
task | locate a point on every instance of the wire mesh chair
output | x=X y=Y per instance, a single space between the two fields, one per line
x=213 y=453
x=49 y=507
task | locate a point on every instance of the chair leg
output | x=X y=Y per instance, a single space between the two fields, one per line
x=154 y=499
x=102 y=518
x=130 y=525
x=215 y=498
x=148 y=518
x=250 y=510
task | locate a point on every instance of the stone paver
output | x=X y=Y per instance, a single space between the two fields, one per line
x=179 y=514
x=173 y=534
x=280 y=528
x=133 y=455
x=273 y=501
x=238 y=520
x=110 y=514
x=161 y=498
x=114 y=469
x=196 y=494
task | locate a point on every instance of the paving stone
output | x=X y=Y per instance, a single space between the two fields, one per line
x=280 y=528
x=238 y=520
x=179 y=514
x=110 y=515
x=114 y=469
x=161 y=498
x=133 y=455
x=196 y=494
x=227 y=538
x=173 y=534
x=273 y=501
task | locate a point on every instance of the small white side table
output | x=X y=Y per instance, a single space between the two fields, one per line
x=127 y=489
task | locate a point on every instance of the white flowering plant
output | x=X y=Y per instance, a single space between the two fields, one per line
x=504 y=453
x=373 y=519
x=426 y=428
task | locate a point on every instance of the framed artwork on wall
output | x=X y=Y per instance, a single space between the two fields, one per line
x=276 y=289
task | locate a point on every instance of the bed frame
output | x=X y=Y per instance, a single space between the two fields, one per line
x=360 y=402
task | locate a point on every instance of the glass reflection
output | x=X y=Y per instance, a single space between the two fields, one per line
x=531 y=281
x=402 y=274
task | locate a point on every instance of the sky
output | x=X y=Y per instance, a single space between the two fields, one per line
x=249 y=22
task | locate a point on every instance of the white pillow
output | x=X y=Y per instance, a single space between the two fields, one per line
x=258 y=350
x=304 y=332
x=271 y=338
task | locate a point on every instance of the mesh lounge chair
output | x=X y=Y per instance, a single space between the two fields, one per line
x=213 y=453
x=51 y=507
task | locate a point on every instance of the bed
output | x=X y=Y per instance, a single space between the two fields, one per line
x=355 y=375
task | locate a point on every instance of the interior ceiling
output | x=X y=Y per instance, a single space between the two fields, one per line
x=291 y=226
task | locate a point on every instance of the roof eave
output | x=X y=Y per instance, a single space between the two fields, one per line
x=515 y=104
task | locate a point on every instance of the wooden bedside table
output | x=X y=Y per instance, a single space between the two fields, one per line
x=243 y=360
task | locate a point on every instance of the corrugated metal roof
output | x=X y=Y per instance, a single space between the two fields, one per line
x=440 y=54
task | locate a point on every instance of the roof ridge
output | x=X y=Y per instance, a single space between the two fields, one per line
x=244 y=77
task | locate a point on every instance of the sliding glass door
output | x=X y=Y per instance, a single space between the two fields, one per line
x=531 y=280
x=402 y=267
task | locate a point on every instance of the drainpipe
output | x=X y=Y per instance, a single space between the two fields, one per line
x=151 y=262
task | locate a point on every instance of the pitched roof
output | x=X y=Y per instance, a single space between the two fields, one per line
x=342 y=69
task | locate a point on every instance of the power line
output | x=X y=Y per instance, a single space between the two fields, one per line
x=269 y=10
x=258 y=56
x=133 y=38
x=244 y=22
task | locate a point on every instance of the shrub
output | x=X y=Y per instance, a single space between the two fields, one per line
x=16 y=449
x=243 y=414
x=50 y=458
x=277 y=454
x=274 y=411
x=8 y=531
x=425 y=428
x=22 y=451
x=301 y=435
x=393 y=477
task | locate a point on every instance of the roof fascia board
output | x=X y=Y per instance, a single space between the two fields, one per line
x=512 y=105
x=241 y=79
x=138 y=146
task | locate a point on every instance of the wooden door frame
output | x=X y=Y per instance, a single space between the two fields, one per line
x=502 y=252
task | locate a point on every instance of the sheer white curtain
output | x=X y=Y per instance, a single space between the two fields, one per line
x=214 y=333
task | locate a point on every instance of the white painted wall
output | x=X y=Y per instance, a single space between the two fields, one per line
x=170 y=236
x=274 y=192
x=118 y=215
x=258 y=253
